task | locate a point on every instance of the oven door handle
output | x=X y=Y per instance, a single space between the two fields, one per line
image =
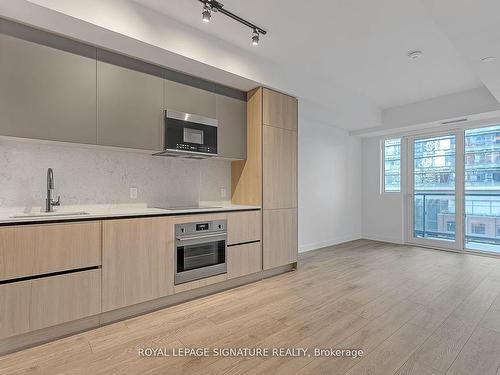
x=190 y=238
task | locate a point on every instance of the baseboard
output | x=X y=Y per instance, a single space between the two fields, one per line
x=44 y=335
x=331 y=242
x=278 y=270
x=175 y=299
x=376 y=237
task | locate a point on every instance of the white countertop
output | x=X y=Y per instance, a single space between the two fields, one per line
x=84 y=212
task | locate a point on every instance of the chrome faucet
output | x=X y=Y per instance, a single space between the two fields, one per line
x=49 y=202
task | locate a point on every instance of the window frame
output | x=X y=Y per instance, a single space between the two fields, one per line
x=382 y=166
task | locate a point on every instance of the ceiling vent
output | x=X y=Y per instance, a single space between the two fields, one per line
x=415 y=54
x=454 y=121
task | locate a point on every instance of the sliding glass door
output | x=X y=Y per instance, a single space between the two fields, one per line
x=482 y=189
x=433 y=191
x=454 y=190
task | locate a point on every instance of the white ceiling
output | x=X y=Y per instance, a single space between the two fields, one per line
x=360 y=44
x=473 y=26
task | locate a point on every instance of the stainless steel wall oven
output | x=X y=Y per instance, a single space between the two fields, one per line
x=201 y=250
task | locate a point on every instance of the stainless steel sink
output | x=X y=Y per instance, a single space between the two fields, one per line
x=48 y=214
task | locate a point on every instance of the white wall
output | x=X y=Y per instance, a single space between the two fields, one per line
x=456 y=105
x=382 y=215
x=329 y=185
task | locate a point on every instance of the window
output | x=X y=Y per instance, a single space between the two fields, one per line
x=478 y=228
x=450 y=226
x=392 y=165
x=482 y=188
x=434 y=187
x=446 y=169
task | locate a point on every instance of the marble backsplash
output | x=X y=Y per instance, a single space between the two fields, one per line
x=93 y=175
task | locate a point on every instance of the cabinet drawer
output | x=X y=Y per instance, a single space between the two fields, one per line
x=15 y=308
x=39 y=249
x=243 y=227
x=60 y=299
x=244 y=259
x=34 y=304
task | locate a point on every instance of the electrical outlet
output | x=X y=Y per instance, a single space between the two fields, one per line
x=223 y=192
x=133 y=193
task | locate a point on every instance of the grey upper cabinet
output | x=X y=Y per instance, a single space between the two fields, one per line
x=57 y=89
x=47 y=91
x=129 y=103
x=232 y=136
x=184 y=98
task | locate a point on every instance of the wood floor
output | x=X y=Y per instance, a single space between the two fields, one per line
x=411 y=310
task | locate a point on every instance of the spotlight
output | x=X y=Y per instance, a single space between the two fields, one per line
x=255 y=37
x=205 y=16
x=214 y=6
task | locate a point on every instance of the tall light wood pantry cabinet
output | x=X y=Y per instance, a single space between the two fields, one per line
x=268 y=177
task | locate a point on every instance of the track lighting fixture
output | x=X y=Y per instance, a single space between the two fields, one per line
x=255 y=38
x=210 y=6
x=207 y=13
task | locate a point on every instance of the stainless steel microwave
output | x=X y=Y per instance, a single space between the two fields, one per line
x=189 y=135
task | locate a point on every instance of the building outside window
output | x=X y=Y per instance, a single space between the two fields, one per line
x=450 y=226
x=478 y=228
x=497 y=231
x=482 y=188
x=435 y=178
x=434 y=186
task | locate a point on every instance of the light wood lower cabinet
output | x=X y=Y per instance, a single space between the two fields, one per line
x=39 y=249
x=279 y=238
x=34 y=304
x=60 y=299
x=244 y=226
x=15 y=300
x=244 y=259
x=137 y=261
x=137 y=265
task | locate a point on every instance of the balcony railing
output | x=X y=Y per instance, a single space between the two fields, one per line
x=433 y=211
